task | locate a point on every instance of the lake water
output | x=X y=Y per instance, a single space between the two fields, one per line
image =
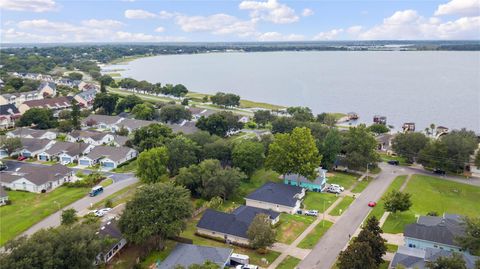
x=423 y=87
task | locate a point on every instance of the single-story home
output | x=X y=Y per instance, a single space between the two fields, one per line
x=24 y=132
x=85 y=98
x=277 y=196
x=56 y=104
x=132 y=124
x=37 y=178
x=47 y=89
x=186 y=127
x=102 y=122
x=90 y=137
x=415 y=258
x=384 y=143
x=111 y=231
x=316 y=185
x=120 y=140
x=108 y=157
x=31 y=147
x=65 y=152
x=186 y=255
x=8 y=114
x=3 y=196
x=232 y=227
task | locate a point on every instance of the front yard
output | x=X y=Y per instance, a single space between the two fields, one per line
x=291 y=226
x=319 y=201
x=342 y=206
x=314 y=236
x=431 y=194
x=289 y=263
x=29 y=208
x=345 y=180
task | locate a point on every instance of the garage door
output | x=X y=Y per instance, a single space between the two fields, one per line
x=26 y=154
x=108 y=164
x=66 y=160
x=84 y=162
x=42 y=157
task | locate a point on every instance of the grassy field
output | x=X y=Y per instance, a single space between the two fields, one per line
x=345 y=180
x=319 y=201
x=379 y=210
x=391 y=248
x=195 y=96
x=106 y=182
x=342 y=206
x=155 y=256
x=361 y=185
x=291 y=226
x=438 y=195
x=29 y=208
x=387 y=158
x=289 y=263
x=255 y=257
x=314 y=236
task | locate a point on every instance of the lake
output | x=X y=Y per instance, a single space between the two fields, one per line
x=441 y=87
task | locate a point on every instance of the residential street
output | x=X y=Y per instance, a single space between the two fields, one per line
x=325 y=253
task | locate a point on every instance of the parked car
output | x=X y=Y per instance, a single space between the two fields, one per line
x=393 y=162
x=338 y=187
x=21 y=158
x=372 y=204
x=333 y=190
x=300 y=212
x=102 y=212
x=246 y=266
x=439 y=171
x=3 y=166
x=313 y=213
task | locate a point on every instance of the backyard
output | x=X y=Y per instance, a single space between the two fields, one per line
x=29 y=208
x=291 y=226
x=430 y=194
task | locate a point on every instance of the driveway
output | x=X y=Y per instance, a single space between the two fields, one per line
x=325 y=253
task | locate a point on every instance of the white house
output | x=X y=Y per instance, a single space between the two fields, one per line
x=101 y=122
x=108 y=157
x=24 y=132
x=277 y=196
x=31 y=147
x=65 y=152
x=90 y=137
x=37 y=178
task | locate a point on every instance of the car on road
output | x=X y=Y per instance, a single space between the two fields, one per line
x=393 y=162
x=439 y=172
x=21 y=158
x=102 y=212
x=338 y=187
x=312 y=213
x=246 y=266
x=3 y=166
x=372 y=204
x=332 y=189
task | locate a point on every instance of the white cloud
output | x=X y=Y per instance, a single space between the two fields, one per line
x=160 y=29
x=328 y=35
x=138 y=14
x=166 y=15
x=354 y=30
x=218 y=24
x=141 y=37
x=102 y=23
x=459 y=7
x=29 y=5
x=276 y=36
x=307 y=12
x=409 y=25
x=270 y=10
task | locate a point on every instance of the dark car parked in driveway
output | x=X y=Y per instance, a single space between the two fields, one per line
x=439 y=172
x=393 y=162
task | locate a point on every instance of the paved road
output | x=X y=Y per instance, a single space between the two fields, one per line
x=325 y=253
x=80 y=205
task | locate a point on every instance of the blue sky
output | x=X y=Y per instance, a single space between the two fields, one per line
x=248 y=20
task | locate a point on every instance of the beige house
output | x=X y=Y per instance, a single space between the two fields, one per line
x=277 y=197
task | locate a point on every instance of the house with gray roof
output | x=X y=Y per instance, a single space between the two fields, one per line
x=108 y=157
x=232 y=227
x=101 y=122
x=317 y=185
x=186 y=127
x=133 y=124
x=65 y=152
x=24 y=132
x=94 y=138
x=86 y=98
x=111 y=231
x=37 y=179
x=8 y=114
x=277 y=196
x=186 y=255
x=31 y=147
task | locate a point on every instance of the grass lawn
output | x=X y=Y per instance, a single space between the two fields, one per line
x=391 y=248
x=345 y=180
x=291 y=226
x=29 y=208
x=342 y=206
x=128 y=167
x=154 y=256
x=379 y=210
x=106 y=182
x=314 y=236
x=289 y=263
x=362 y=185
x=319 y=201
x=385 y=157
x=255 y=257
x=435 y=194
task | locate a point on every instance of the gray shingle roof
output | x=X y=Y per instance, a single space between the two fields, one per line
x=24 y=131
x=235 y=223
x=83 y=134
x=33 y=144
x=442 y=230
x=276 y=193
x=42 y=174
x=8 y=109
x=133 y=124
x=417 y=258
x=113 y=153
x=187 y=127
x=102 y=119
x=300 y=178
x=70 y=148
x=186 y=255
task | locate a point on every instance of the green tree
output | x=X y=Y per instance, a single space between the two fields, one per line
x=294 y=153
x=75 y=115
x=327 y=119
x=65 y=126
x=397 y=201
x=284 y=125
x=182 y=152
x=152 y=165
x=106 y=80
x=360 y=147
x=408 y=145
x=434 y=155
x=74 y=246
x=248 y=156
x=220 y=150
x=220 y=123
x=477 y=159
x=455 y=261
x=330 y=147
x=358 y=255
x=174 y=114
x=156 y=211
x=378 y=128
x=260 y=233
x=11 y=144
x=372 y=235
x=471 y=239
x=225 y=99
x=203 y=137
x=151 y=136
x=69 y=216
x=143 y=111
x=107 y=102
x=262 y=117
x=301 y=113
x=75 y=76
x=41 y=118
x=128 y=103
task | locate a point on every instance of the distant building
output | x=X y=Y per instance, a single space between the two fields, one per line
x=56 y=104
x=18 y=98
x=408 y=127
x=380 y=119
x=47 y=89
x=8 y=114
x=31 y=147
x=90 y=137
x=65 y=152
x=86 y=98
x=102 y=122
x=25 y=132
x=111 y=231
x=413 y=258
